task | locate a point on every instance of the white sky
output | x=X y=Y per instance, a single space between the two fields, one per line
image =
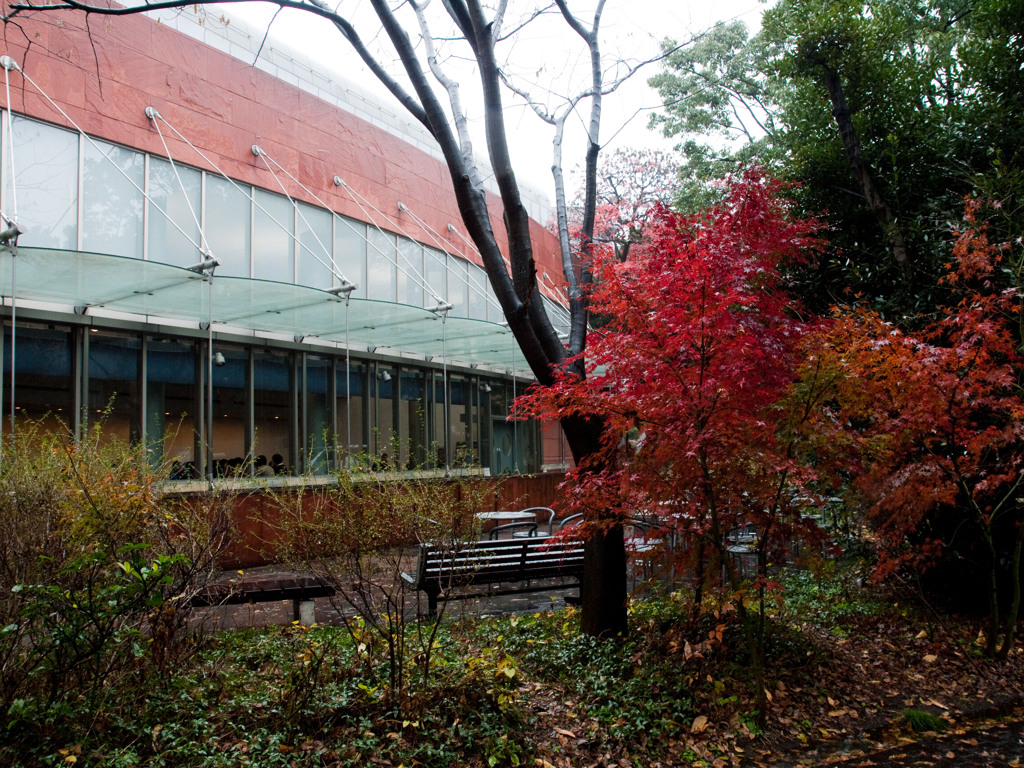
x=548 y=58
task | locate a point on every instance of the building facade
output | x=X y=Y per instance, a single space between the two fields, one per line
x=228 y=261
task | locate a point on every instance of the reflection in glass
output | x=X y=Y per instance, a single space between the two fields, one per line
x=351 y=409
x=273 y=383
x=412 y=419
x=317 y=457
x=230 y=390
x=380 y=266
x=313 y=259
x=350 y=252
x=272 y=226
x=410 y=274
x=112 y=179
x=464 y=420
x=167 y=243
x=458 y=287
x=46 y=184
x=477 y=292
x=383 y=415
x=226 y=223
x=435 y=271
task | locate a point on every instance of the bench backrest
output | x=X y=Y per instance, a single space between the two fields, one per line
x=500 y=561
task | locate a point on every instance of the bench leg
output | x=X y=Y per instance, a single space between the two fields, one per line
x=304 y=612
x=431 y=602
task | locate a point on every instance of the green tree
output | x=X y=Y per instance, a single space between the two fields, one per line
x=886 y=114
x=718 y=99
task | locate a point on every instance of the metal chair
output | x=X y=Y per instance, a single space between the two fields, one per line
x=524 y=529
x=538 y=513
x=570 y=521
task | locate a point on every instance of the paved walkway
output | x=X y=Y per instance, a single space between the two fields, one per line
x=333 y=610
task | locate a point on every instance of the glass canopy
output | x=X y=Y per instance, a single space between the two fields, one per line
x=164 y=291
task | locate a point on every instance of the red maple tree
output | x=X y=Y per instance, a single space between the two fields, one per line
x=936 y=422
x=689 y=375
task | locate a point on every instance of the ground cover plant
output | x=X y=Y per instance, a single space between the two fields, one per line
x=851 y=666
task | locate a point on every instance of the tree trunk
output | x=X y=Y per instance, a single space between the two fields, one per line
x=603 y=595
x=878 y=204
x=603 y=591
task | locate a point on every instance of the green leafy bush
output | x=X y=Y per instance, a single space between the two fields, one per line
x=95 y=571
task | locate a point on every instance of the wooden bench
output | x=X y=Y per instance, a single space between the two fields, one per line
x=301 y=590
x=518 y=562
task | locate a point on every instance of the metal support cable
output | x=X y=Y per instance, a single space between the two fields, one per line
x=7 y=62
x=251 y=198
x=329 y=264
x=416 y=276
x=96 y=146
x=492 y=300
x=153 y=116
x=551 y=293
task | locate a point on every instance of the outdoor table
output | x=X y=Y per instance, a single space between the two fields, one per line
x=506 y=516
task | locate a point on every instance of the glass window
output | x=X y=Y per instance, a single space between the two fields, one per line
x=458 y=287
x=439 y=426
x=435 y=271
x=313 y=259
x=477 y=292
x=46 y=186
x=380 y=267
x=383 y=416
x=410 y=274
x=112 y=199
x=227 y=225
x=273 y=375
x=273 y=226
x=319 y=438
x=351 y=409
x=43 y=385
x=113 y=389
x=558 y=315
x=463 y=420
x=167 y=243
x=230 y=398
x=350 y=252
x=412 y=419
x=171 y=404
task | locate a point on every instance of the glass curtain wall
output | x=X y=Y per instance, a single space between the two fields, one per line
x=228 y=226
x=172 y=233
x=112 y=202
x=319 y=440
x=43 y=379
x=230 y=414
x=412 y=419
x=350 y=252
x=252 y=232
x=273 y=225
x=313 y=264
x=46 y=187
x=273 y=384
x=383 y=416
x=172 y=399
x=302 y=407
x=351 y=407
x=112 y=372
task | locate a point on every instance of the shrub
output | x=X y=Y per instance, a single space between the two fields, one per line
x=95 y=571
x=356 y=535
